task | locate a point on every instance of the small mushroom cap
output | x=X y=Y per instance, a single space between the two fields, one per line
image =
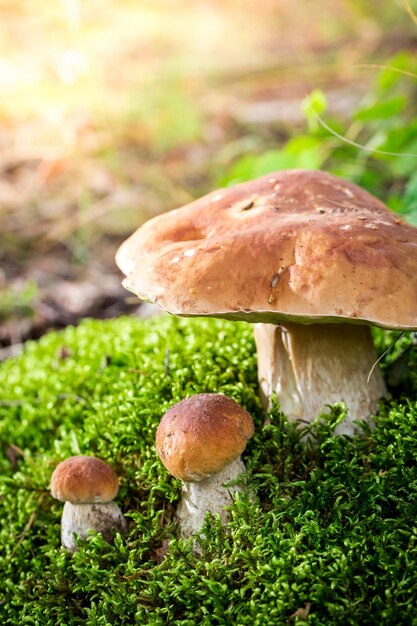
x=296 y=245
x=84 y=479
x=199 y=436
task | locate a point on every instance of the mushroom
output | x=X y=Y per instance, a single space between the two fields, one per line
x=311 y=259
x=200 y=440
x=88 y=487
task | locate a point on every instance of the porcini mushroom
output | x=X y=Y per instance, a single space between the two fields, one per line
x=200 y=440
x=312 y=259
x=88 y=487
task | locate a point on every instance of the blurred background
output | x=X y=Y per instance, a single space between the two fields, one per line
x=112 y=112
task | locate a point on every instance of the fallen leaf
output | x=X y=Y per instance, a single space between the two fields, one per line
x=302 y=612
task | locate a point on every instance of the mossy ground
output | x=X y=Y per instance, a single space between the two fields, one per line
x=333 y=529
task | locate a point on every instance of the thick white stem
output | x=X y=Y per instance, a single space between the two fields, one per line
x=311 y=366
x=78 y=519
x=209 y=495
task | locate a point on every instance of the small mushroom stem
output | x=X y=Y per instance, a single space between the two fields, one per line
x=209 y=495
x=311 y=366
x=78 y=519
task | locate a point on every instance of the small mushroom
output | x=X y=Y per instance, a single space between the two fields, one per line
x=200 y=440
x=88 y=487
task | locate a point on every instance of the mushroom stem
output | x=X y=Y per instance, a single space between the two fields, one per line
x=311 y=366
x=78 y=519
x=212 y=495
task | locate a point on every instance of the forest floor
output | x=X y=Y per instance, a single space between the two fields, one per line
x=113 y=113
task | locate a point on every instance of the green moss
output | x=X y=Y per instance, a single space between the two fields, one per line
x=334 y=524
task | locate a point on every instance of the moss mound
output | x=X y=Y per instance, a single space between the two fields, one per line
x=332 y=538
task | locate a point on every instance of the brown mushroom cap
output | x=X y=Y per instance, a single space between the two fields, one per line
x=84 y=479
x=302 y=246
x=199 y=436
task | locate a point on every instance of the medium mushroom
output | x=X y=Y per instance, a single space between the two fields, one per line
x=312 y=259
x=88 y=487
x=200 y=440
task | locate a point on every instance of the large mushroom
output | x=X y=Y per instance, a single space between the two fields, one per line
x=200 y=440
x=312 y=259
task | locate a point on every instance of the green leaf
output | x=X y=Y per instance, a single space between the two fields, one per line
x=408 y=207
x=388 y=77
x=313 y=105
x=240 y=171
x=302 y=152
x=381 y=110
